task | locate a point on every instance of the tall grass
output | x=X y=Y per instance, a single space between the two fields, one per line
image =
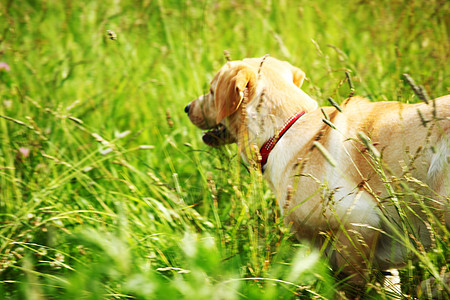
x=106 y=190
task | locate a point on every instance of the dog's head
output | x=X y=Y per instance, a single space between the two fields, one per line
x=219 y=111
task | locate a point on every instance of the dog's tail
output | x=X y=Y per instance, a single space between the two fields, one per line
x=438 y=175
x=439 y=166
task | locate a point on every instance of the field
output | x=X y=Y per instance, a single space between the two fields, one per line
x=106 y=189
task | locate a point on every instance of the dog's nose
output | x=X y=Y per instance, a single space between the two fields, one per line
x=186 y=109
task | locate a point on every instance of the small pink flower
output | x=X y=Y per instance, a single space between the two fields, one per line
x=24 y=151
x=4 y=67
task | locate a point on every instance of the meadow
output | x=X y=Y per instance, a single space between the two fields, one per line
x=107 y=190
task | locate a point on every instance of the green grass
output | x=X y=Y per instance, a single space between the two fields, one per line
x=106 y=189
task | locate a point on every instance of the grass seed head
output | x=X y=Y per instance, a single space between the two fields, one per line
x=325 y=153
x=417 y=89
x=368 y=143
x=350 y=84
x=334 y=103
x=227 y=55
x=112 y=35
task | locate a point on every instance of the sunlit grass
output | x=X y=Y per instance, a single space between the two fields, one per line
x=106 y=190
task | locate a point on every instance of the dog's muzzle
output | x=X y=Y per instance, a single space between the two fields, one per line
x=187 y=108
x=216 y=136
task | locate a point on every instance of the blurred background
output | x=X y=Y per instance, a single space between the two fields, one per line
x=106 y=189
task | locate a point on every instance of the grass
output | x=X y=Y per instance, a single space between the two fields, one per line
x=106 y=190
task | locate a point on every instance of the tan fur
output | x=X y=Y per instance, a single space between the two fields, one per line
x=337 y=200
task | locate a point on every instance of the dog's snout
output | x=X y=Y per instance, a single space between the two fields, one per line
x=187 y=108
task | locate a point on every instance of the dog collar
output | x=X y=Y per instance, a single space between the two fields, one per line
x=268 y=146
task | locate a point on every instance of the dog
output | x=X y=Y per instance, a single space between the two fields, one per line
x=334 y=179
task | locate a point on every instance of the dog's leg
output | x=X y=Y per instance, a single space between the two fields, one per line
x=392 y=282
x=355 y=254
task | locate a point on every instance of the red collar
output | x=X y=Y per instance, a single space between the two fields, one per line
x=270 y=144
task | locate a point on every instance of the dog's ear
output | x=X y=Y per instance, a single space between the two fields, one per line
x=298 y=76
x=232 y=85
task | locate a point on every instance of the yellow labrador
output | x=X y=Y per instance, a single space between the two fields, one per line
x=336 y=182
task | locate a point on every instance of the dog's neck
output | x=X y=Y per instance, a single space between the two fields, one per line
x=268 y=146
x=267 y=115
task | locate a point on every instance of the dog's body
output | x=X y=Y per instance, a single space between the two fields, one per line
x=336 y=191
